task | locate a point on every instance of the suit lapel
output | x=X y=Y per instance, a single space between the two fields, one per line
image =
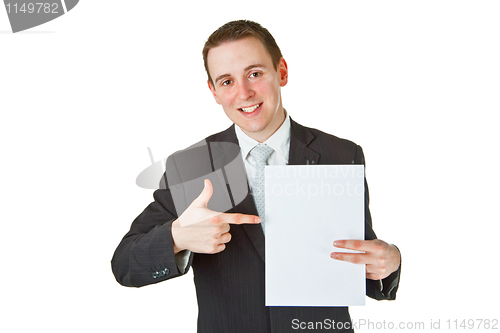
x=300 y=153
x=222 y=147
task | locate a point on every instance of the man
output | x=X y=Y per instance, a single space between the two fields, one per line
x=225 y=246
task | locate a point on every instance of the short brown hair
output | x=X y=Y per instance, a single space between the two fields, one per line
x=236 y=30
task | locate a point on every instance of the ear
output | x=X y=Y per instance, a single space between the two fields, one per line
x=212 y=89
x=283 y=71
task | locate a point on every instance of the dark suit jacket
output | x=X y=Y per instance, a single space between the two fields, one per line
x=230 y=285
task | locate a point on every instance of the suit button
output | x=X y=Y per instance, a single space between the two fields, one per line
x=161 y=273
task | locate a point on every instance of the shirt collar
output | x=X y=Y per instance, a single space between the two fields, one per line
x=279 y=141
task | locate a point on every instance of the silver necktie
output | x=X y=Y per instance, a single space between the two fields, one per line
x=260 y=153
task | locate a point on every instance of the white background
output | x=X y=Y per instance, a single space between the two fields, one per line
x=416 y=84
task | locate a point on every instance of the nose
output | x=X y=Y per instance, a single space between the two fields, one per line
x=245 y=90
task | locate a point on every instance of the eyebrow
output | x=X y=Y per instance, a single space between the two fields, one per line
x=220 y=77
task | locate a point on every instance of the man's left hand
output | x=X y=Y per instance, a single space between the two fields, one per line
x=381 y=259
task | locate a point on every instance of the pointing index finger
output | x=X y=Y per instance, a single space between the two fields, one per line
x=237 y=218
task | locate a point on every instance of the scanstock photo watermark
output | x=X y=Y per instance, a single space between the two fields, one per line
x=25 y=14
x=383 y=325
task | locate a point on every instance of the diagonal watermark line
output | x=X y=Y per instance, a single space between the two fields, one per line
x=63 y=5
x=151 y=155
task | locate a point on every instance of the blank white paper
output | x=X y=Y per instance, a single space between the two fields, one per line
x=307 y=208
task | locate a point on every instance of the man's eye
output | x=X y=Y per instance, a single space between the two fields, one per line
x=225 y=83
x=255 y=74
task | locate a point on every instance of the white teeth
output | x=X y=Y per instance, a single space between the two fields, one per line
x=250 y=109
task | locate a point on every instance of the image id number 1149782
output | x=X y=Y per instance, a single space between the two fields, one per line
x=472 y=324
x=33 y=8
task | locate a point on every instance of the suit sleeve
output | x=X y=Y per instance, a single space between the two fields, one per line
x=145 y=255
x=384 y=289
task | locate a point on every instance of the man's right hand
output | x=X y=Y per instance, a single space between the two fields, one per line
x=202 y=230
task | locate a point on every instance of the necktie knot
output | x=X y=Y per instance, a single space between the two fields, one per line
x=261 y=153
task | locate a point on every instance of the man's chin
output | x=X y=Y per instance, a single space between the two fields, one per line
x=252 y=131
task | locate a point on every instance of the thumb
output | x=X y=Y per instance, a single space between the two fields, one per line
x=206 y=194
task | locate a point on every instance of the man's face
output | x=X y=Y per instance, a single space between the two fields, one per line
x=247 y=86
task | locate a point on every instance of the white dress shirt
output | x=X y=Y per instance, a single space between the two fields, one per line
x=279 y=141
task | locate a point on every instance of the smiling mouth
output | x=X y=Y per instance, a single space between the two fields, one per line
x=250 y=109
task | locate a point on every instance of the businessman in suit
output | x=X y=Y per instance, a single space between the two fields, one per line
x=205 y=216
